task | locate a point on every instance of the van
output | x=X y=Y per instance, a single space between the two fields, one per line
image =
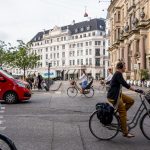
x=13 y=90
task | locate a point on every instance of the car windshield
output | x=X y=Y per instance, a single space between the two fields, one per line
x=6 y=74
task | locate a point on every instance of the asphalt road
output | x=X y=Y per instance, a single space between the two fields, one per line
x=53 y=121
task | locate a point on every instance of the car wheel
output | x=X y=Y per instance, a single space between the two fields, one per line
x=10 y=98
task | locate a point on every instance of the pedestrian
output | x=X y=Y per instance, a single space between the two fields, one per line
x=120 y=100
x=108 y=78
x=84 y=81
x=40 y=79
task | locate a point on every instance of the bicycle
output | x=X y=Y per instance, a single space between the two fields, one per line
x=73 y=90
x=107 y=132
x=6 y=143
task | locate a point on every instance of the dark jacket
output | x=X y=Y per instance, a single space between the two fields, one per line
x=116 y=82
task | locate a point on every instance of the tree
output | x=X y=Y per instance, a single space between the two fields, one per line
x=144 y=74
x=2 y=53
x=22 y=57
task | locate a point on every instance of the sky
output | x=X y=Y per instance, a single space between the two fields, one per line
x=23 y=19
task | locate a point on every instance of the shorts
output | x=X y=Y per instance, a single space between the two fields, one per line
x=84 y=84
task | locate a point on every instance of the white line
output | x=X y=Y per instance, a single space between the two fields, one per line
x=2 y=111
x=2 y=128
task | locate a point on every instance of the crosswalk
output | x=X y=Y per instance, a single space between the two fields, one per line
x=2 y=121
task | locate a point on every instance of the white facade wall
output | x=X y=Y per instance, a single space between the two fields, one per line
x=58 y=42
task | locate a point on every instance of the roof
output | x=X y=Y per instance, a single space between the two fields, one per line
x=76 y=28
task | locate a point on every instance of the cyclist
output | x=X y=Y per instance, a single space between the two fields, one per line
x=84 y=81
x=117 y=98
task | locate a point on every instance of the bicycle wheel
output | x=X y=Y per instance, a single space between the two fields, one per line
x=90 y=92
x=101 y=131
x=6 y=143
x=72 y=91
x=145 y=125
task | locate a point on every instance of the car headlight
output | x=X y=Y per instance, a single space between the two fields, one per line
x=21 y=84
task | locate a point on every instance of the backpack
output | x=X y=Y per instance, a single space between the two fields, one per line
x=105 y=113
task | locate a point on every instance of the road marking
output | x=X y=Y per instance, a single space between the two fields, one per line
x=2 y=128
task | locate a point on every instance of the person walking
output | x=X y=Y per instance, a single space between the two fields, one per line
x=40 y=79
x=108 y=78
x=118 y=99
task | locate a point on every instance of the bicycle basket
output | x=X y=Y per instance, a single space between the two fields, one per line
x=147 y=96
x=105 y=113
x=72 y=82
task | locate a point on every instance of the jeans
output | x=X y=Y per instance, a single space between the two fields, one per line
x=125 y=102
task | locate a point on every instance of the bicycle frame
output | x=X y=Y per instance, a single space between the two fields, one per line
x=138 y=113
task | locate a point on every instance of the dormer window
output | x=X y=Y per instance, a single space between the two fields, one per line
x=76 y=30
x=101 y=27
x=39 y=38
x=88 y=28
x=82 y=29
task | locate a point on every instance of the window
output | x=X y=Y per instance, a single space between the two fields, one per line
x=61 y=38
x=77 y=53
x=46 y=56
x=90 y=52
x=70 y=62
x=73 y=62
x=54 y=55
x=57 y=47
x=97 y=62
x=63 y=62
x=57 y=39
x=90 y=43
x=46 y=49
x=80 y=36
x=86 y=61
x=82 y=29
x=88 y=28
x=57 y=62
x=86 y=43
x=86 y=51
x=89 y=34
x=81 y=52
x=64 y=38
x=93 y=33
x=97 y=42
x=78 y=62
x=63 y=46
x=90 y=61
x=76 y=30
x=103 y=51
x=81 y=44
x=84 y=35
x=63 y=54
x=81 y=61
x=97 y=52
x=57 y=55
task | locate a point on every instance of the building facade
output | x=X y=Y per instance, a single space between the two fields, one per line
x=129 y=35
x=71 y=48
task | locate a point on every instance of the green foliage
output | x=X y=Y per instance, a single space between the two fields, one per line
x=144 y=73
x=2 y=52
x=22 y=57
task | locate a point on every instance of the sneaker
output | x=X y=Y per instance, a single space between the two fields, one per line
x=128 y=135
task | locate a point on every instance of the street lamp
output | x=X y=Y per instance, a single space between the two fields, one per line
x=49 y=66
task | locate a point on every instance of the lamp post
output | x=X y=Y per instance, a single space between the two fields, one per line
x=49 y=66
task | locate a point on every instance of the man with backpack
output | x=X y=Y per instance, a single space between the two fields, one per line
x=117 y=98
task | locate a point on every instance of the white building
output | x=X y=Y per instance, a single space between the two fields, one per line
x=72 y=48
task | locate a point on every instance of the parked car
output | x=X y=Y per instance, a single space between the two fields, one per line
x=135 y=82
x=148 y=83
x=139 y=83
x=13 y=90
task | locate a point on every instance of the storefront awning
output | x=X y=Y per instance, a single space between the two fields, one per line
x=88 y=71
x=66 y=71
x=71 y=71
x=76 y=71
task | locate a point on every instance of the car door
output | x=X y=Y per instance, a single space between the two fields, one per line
x=2 y=85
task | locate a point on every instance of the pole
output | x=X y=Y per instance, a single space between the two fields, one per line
x=48 y=75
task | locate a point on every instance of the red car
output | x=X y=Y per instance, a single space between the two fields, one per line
x=13 y=90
